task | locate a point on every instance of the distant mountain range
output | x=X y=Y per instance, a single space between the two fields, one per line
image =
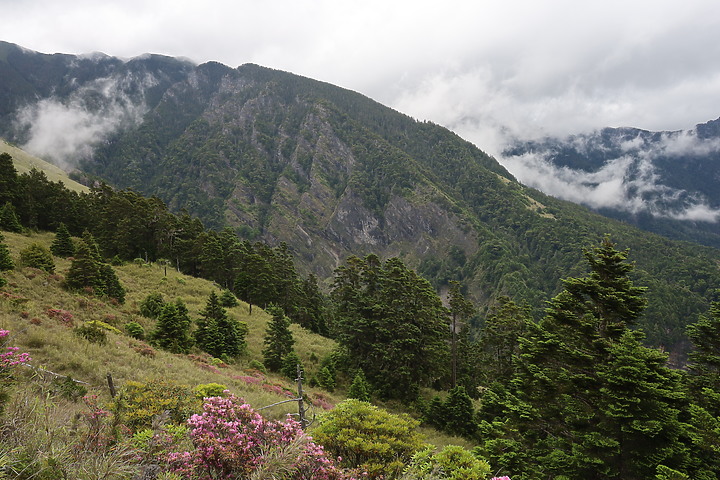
x=283 y=158
x=664 y=182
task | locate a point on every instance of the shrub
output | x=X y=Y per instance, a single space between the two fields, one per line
x=205 y=390
x=233 y=441
x=38 y=256
x=369 y=437
x=135 y=330
x=92 y=332
x=451 y=463
x=138 y=403
x=152 y=305
x=228 y=300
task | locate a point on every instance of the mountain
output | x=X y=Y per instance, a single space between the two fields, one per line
x=664 y=182
x=332 y=173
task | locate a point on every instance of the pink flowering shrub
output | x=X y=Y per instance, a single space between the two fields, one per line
x=500 y=478
x=63 y=315
x=233 y=441
x=11 y=357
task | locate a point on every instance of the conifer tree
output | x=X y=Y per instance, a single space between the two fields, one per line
x=62 y=245
x=290 y=364
x=172 y=332
x=459 y=413
x=326 y=379
x=704 y=365
x=359 y=388
x=6 y=261
x=8 y=179
x=109 y=283
x=460 y=311
x=8 y=219
x=218 y=334
x=278 y=339
x=84 y=269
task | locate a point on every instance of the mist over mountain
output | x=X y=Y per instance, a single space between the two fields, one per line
x=665 y=182
x=282 y=158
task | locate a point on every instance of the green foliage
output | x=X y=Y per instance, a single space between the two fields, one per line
x=87 y=271
x=359 y=388
x=205 y=390
x=62 y=245
x=172 y=331
x=68 y=388
x=455 y=415
x=152 y=305
x=451 y=462
x=137 y=403
x=228 y=300
x=369 y=437
x=135 y=330
x=392 y=323
x=6 y=261
x=290 y=364
x=326 y=379
x=217 y=333
x=38 y=256
x=278 y=339
x=8 y=219
x=92 y=332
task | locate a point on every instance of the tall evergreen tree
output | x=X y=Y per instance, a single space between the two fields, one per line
x=172 y=331
x=392 y=323
x=359 y=388
x=218 y=334
x=573 y=387
x=460 y=312
x=8 y=219
x=84 y=269
x=704 y=365
x=278 y=339
x=62 y=245
x=8 y=179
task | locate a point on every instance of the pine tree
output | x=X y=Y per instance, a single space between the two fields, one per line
x=172 y=331
x=460 y=312
x=359 y=388
x=290 y=364
x=459 y=413
x=62 y=245
x=109 y=283
x=8 y=179
x=326 y=379
x=6 y=261
x=84 y=269
x=9 y=220
x=217 y=333
x=278 y=339
x=704 y=365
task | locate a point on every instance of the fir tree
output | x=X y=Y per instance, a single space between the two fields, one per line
x=172 y=332
x=84 y=269
x=62 y=245
x=152 y=305
x=359 y=388
x=459 y=413
x=8 y=219
x=8 y=179
x=278 y=339
x=109 y=283
x=290 y=364
x=217 y=333
x=228 y=300
x=326 y=379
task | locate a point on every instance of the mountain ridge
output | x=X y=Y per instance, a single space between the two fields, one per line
x=332 y=173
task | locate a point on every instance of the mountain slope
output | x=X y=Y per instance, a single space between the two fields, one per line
x=284 y=158
x=665 y=182
x=24 y=162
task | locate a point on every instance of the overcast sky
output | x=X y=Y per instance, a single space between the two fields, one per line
x=478 y=67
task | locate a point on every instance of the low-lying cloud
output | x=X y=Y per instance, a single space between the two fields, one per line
x=629 y=183
x=67 y=131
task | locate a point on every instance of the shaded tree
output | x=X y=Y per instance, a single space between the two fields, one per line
x=62 y=245
x=172 y=331
x=278 y=339
x=217 y=333
x=37 y=255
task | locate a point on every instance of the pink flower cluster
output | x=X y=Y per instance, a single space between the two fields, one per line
x=11 y=357
x=232 y=441
x=500 y=478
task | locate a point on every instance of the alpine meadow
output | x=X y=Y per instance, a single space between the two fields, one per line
x=202 y=250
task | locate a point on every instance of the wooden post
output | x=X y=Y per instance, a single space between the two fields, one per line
x=111 y=385
x=301 y=407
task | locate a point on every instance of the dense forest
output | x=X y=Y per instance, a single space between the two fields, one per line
x=574 y=394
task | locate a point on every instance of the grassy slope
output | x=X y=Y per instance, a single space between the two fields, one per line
x=25 y=301
x=24 y=162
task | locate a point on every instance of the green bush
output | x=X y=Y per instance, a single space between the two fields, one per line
x=205 y=390
x=369 y=437
x=451 y=463
x=37 y=255
x=152 y=305
x=137 y=403
x=92 y=332
x=135 y=330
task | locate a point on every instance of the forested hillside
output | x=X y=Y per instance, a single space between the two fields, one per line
x=281 y=158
